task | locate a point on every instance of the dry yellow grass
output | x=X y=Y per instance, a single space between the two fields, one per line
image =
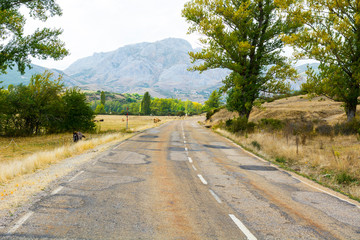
x=318 y=108
x=20 y=156
x=334 y=161
x=322 y=158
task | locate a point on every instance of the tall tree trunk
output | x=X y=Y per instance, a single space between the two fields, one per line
x=350 y=109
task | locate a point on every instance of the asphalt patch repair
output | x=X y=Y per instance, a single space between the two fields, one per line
x=258 y=168
x=216 y=146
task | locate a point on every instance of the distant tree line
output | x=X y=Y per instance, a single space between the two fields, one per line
x=44 y=106
x=136 y=104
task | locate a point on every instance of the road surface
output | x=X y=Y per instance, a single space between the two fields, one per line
x=182 y=181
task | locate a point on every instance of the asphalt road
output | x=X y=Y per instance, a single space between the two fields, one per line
x=181 y=181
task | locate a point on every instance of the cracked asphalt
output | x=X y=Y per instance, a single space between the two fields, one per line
x=182 y=181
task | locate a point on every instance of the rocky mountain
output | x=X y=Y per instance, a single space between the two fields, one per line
x=160 y=68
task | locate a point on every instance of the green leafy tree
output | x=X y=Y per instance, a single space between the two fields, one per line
x=78 y=115
x=213 y=101
x=102 y=98
x=16 y=47
x=330 y=33
x=100 y=109
x=145 y=104
x=244 y=37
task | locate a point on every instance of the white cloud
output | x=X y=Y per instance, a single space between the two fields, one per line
x=100 y=26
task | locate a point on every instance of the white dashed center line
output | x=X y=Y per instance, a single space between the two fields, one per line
x=57 y=190
x=194 y=167
x=186 y=149
x=215 y=196
x=20 y=222
x=242 y=227
x=202 y=179
x=190 y=160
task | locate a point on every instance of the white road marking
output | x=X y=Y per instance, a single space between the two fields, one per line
x=57 y=190
x=215 y=196
x=202 y=179
x=184 y=142
x=186 y=149
x=194 y=167
x=190 y=160
x=20 y=222
x=326 y=192
x=73 y=178
x=242 y=227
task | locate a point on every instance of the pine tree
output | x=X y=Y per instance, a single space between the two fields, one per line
x=145 y=104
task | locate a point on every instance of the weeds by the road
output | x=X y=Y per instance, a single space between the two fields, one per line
x=20 y=156
x=12 y=169
x=333 y=161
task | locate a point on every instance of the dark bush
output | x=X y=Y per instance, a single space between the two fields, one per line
x=347 y=128
x=271 y=124
x=325 y=130
x=240 y=124
x=345 y=178
x=256 y=145
x=180 y=113
x=299 y=128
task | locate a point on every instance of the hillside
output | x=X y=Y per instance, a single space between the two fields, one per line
x=299 y=107
x=14 y=77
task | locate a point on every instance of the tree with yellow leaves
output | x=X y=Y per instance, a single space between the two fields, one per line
x=330 y=33
x=243 y=36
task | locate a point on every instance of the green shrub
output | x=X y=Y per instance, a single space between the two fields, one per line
x=271 y=124
x=344 y=178
x=240 y=124
x=256 y=145
x=347 y=128
x=280 y=160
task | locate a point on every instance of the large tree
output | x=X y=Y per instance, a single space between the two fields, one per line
x=16 y=47
x=243 y=36
x=331 y=35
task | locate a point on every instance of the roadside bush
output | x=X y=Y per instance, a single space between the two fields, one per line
x=180 y=113
x=271 y=124
x=325 y=130
x=240 y=124
x=256 y=145
x=347 y=128
x=344 y=178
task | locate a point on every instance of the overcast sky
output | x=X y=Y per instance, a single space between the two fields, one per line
x=104 y=25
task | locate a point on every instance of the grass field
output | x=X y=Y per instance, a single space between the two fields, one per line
x=26 y=154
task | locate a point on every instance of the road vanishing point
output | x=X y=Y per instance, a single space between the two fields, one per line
x=182 y=181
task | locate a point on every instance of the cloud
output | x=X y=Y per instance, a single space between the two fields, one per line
x=98 y=26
